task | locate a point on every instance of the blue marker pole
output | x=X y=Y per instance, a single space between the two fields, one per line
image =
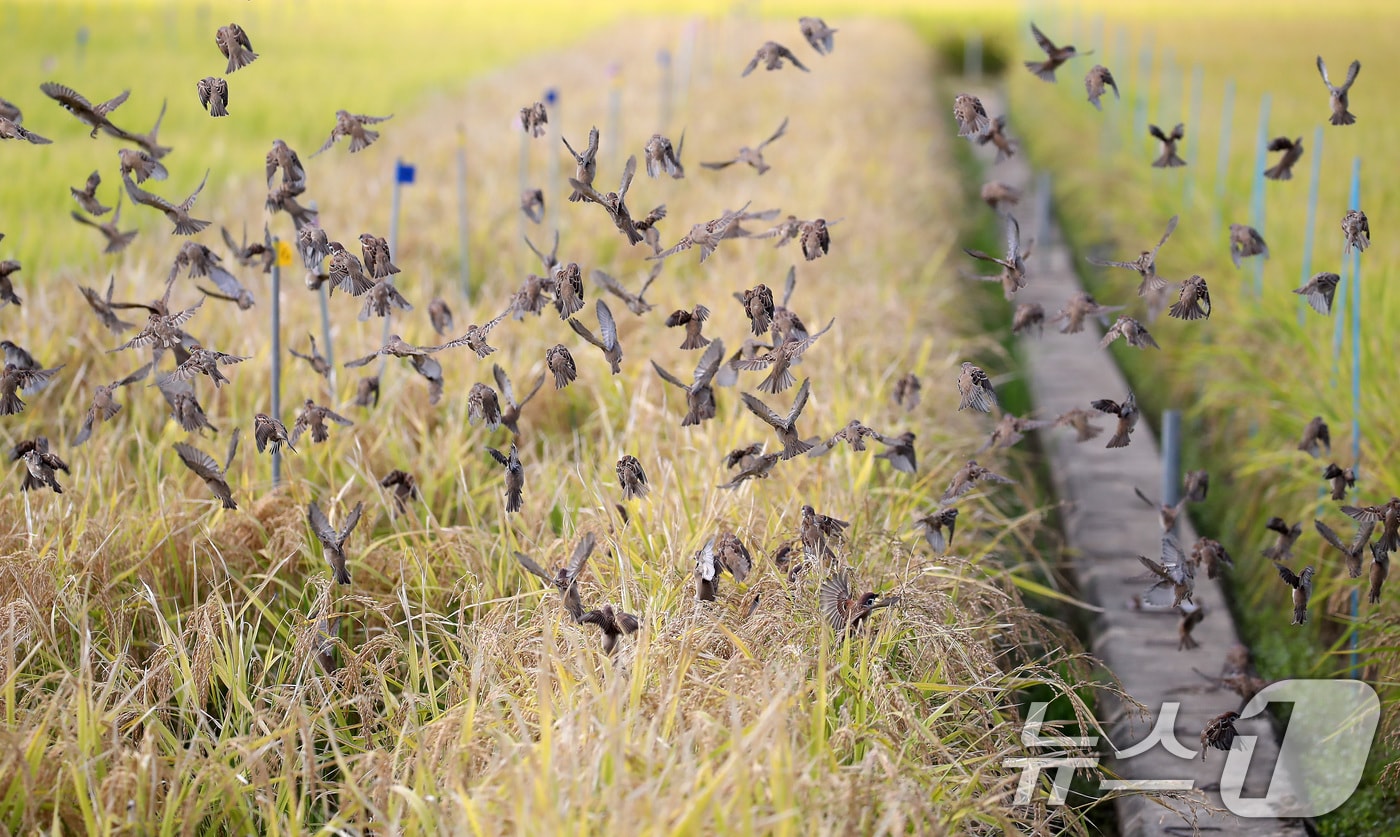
x=551 y=100
x=1193 y=150
x=1222 y=166
x=404 y=174
x=1260 y=150
x=1308 y=233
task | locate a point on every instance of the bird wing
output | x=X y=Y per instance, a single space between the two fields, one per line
x=1156 y=132
x=82 y=220
x=1288 y=576
x=351 y=522
x=782 y=129
x=72 y=99
x=725 y=164
x=499 y=457
x=667 y=376
x=1109 y=263
x=582 y=331
x=787 y=53
x=763 y=411
x=205 y=91
x=1280 y=144
x=606 y=324
x=232 y=447
x=708 y=366
x=978 y=254
x=629 y=171
x=188 y=203
x=1330 y=536
x=588 y=192
x=1013 y=238
x=608 y=283
x=834 y=598
x=1171 y=227
x=1363 y=536
x=503 y=384
x=138 y=375
x=801 y=401
x=753 y=64
x=582 y=550
x=320 y=525
x=533 y=568
x=1322 y=68
x=141 y=196
x=1351 y=75
x=1044 y=42
x=201 y=463
x=1368 y=514
x=591 y=151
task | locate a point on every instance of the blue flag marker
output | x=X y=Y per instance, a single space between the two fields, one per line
x=551 y=96
x=404 y=172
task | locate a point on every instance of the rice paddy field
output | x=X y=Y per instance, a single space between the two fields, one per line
x=161 y=669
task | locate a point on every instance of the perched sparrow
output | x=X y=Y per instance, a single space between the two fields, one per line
x=1388 y=515
x=780 y=358
x=333 y=541
x=1282 y=549
x=515 y=476
x=706 y=236
x=533 y=118
x=14 y=380
x=1013 y=264
x=900 y=451
x=772 y=55
x=1357 y=230
x=1078 y=419
x=1197 y=486
x=117 y=240
x=998 y=195
x=532 y=204
x=233 y=43
x=933 y=525
x=41 y=466
x=817 y=33
x=1173 y=577
x=614 y=202
x=1127 y=413
x=607 y=331
x=586 y=166
x=1010 y=430
x=996 y=136
x=185 y=409
x=756 y=467
x=751 y=156
x=202 y=361
x=1055 y=56
x=699 y=393
x=636 y=303
x=786 y=426
x=1354 y=551
x=565 y=577
x=1028 y=315
x=1341 y=479
x=1094 y=84
x=971 y=116
x=313 y=417
x=614 y=623
x=1168 y=158
x=213 y=95
x=475 y=337
x=721 y=553
x=204 y=467
x=1145 y=265
x=1302 y=590
x=1292 y=152
x=1134 y=333
x=1078 y=307
x=270 y=432
x=1219 y=733
x=352 y=125
x=1245 y=242
x=367 y=391
x=969 y=475
x=845 y=611
x=561 y=363
x=1194 y=302
x=87 y=113
x=1380 y=568
x=1316 y=435
x=1210 y=554
x=179 y=214
x=1191 y=615
x=404 y=486
x=661 y=156
x=510 y=415
x=1340 y=114
x=87 y=196
x=104 y=403
x=1319 y=292
x=976 y=389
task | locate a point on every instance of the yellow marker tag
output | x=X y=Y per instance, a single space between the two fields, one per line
x=284 y=254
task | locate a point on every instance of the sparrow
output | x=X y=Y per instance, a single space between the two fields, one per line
x=1173 y=576
x=9 y=110
x=21 y=359
x=1078 y=419
x=332 y=540
x=1045 y=70
x=367 y=391
x=1357 y=231
x=786 y=426
x=815 y=238
x=613 y=623
x=759 y=308
x=1013 y=264
x=1219 y=733
x=845 y=611
x=313 y=417
x=1134 y=333
x=721 y=553
x=699 y=393
x=933 y=525
x=510 y=415
x=1315 y=435
x=996 y=135
x=102 y=306
x=533 y=118
x=1282 y=549
x=104 y=403
x=707 y=236
x=561 y=363
x=179 y=214
x=614 y=202
x=375 y=250
x=352 y=125
x=148 y=142
x=483 y=405
x=1341 y=479
x=566 y=283
x=969 y=475
x=1094 y=83
x=162 y=330
x=14 y=380
x=1388 y=515
x=970 y=115
x=772 y=55
x=347 y=272
x=419 y=357
x=233 y=43
x=818 y=34
x=270 y=432
x=314 y=246
x=1010 y=430
x=976 y=389
x=1167 y=515
x=327 y=631
x=41 y=466
x=607 y=329
x=1168 y=158
x=631 y=477
x=318 y=363
x=752 y=157
x=532 y=204
x=1210 y=554
x=1191 y=615
x=141 y=165
x=9 y=130
x=1354 y=551
x=1320 y=291
x=1302 y=590
x=906 y=391
x=565 y=578
x=405 y=488
x=743 y=457
x=515 y=476
x=998 y=195
x=854 y=434
x=586 y=166
x=1145 y=265
x=1380 y=569
x=1027 y=316
x=780 y=358
x=900 y=453
x=381 y=299
x=87 y=196
x=1127 y=413
x=202 y=361
x=185 y=409
x=1194 y=301
x=117 y=240
x=1340 y=114
x=694 y=321
x=1292 y=151
x=87 y=113
x=636 y=303
x=755 y=467
x=440 y=315
x=204 y=467
x=818 y=531
x=1245 y=242
x=1197 y=486
x=282 y=157
x=213 y=95
x=1080 y=306
x=662 y=157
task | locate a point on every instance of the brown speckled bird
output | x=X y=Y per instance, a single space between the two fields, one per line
x=1356 y=230
x=1197 y=485
x=475 y=337
x=818 y=531
x=87 y=196
x=440 y=315
x=706 y=236
x=899 y=451
x=631 y=477
x=117 y=240
x=1292 y=152
x=213 y=95
x=1166 y=515
x=614 y=623
x=999 y=196
x=1055 y=56
x=1173 y=578
x=313 y=417
x=1245 y=241
x=561 y=363
x=281 y=156
x=721 y=553
x=785 y=426
x=586 y=165
x=607 y=335
x=699 y=393
x=1282 y=548
x=178 y=214
x=566 y=283
x=906 y=391
x=1010 y=430
x=404 y=486
x=202 y=361
x=352 y=125
x=102 y=306
x=843 y=609
x=1134 y=333
x=816 y=238
x=636 y=303
x=41 y=466
x=269 y=432
x=1192 y=615
x=1353 y=552
x=1079 y=307
x=532 y=204
x=419 y=357
x=333 y=540
x=1316 y=436
x=971 y=116
x=1388 y=515
x=367 y=392
x=89 y=114
x=854 y=434
x=204 y=467
x=14 y=380
x=1219 y=733
x=1094 y=84
x=1320 y=291
x=933 y=525
x=997 y=137
x=1340 y=114
x=756 y=466
x=104 y=403
x=1028 y=316
x=533 y=119
x=780 y=358
x=515 y=476
x=565 y=577
x=820 y=36
x=1145 y=265
x=185 y=409
x=140 y=165
x=1340 y=478
x=234 y=44
x=1211 y=555
x=1302 y=585
x=1380 y=569
x=1194 y=301
x=771 y=55
x=1013 y=264
x=11 y=130
x=661 y=156
x=752 y=157
x=510 y=413
x=976 y=389
x=483 y=405
x=317 y=363
x=968 y=476
x=1127 y=413
x=615 y=203
x=1078 y=419
x=375 y=250
x=1168 y=159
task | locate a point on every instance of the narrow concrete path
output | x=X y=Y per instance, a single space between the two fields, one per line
x=1106 y=528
